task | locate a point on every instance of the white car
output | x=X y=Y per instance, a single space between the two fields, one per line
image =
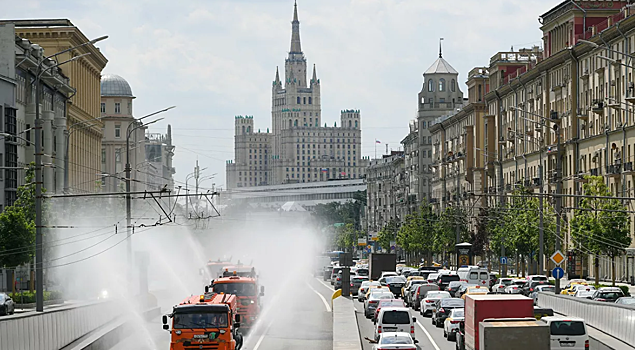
x=395 y=340
x=394 y=319
x=429 y=302
x=515 y=287
x=452 y=323
x=502 y=283
x=388 y=274
x=567 y=332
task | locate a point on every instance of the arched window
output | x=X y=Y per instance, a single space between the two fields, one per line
x=243 y=129
x=304 y=100
x=356 y=124
x=441 y=85
x=290 y=124
x=453 y=85
x=430 y=85
x=295 y=122
x=310 y=100
x=298 y=99
x=248 y=129
x=350 y=124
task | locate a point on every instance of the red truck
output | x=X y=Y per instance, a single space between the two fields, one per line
x=490 y=306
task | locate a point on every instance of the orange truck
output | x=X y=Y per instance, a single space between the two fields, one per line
x=246 y=291
x=209 y=321
x=212 y=270
x=238 y=270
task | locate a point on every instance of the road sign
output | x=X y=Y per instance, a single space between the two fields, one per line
x=557 y=273
x=504 y=260
x=361 y=241
x=375 y=238
x=557 y=257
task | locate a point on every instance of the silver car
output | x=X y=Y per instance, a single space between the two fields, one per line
x=515 y=287
x=370 y=305
x=543 y=289
x=428 y=303
x=7 y=307
x=363 y=289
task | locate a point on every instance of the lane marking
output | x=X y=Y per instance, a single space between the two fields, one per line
x=262 y=337
x=324 y=284
x=428 y=334
x=326 y=304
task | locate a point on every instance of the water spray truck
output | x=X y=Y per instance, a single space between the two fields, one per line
x=246 y=291
x=213 y=269
x=208 y=321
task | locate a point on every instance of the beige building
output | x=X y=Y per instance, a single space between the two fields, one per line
x=299 y=149
x=54 y=36
x=387 y=193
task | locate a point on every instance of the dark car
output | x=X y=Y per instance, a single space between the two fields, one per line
x=395 y=283
x=444 y=280
x=362 y=272
x=492 y=280
x=608 y=294
x=7 y=307
x=356 y=282
x=454 y=286
x=529 y=287
x=425 y=273
x=442 y=309
x=420 y=292
x=462 y=289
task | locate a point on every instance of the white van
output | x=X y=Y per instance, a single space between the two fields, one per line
x=474 y=275
x=567 y=332
x=394 y=319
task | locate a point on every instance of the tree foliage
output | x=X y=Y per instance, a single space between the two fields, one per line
x=17 y=226
x=335 y=212
x=387 y=234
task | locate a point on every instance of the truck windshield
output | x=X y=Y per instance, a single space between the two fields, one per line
x=238 y=289
x=567 y=328
x=200 y=320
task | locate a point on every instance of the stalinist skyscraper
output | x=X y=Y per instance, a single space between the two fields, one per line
x=299 y=148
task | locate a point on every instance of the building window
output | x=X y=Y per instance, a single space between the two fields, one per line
x=304 y=100
x=103 y=155
x=130 y=108
x=117 y=108
x=117 y=131
x=298 y=100
x=118 y=155
x=103 y=107
x=310 y=100
x=430 y=85
x=453 y=85
x=441 y=85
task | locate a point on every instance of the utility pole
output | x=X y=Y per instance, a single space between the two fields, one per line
x=39 y=251
x=558 y=196
x=197 y=175
x=456 y=213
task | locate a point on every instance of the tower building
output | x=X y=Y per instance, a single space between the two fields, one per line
x=299 y=148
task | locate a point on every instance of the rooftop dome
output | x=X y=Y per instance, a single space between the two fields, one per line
x=114 y=85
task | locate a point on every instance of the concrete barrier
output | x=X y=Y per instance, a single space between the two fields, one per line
x=613 y=324
x=55 y=328
x=346 y=334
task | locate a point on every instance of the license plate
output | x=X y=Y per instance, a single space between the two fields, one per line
x=390 y=328
x=200 y=336
x=567 y=344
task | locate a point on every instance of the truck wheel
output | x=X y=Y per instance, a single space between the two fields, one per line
x=239 y=341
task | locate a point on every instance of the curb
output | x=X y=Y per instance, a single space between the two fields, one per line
x=346 y=334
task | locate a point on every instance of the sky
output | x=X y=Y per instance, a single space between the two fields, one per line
x=215 y=59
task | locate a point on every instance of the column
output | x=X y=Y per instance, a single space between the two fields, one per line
x=60 y=153
x=47 y=150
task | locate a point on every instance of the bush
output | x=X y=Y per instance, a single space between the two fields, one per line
x=27 y=297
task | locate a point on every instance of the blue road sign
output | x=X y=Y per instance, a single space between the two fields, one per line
x=557 y=273
x=504 y=260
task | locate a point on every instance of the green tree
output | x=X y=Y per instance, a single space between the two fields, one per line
x=17 y=226
x=446 y=228
x=602 y=224
x=387 y=234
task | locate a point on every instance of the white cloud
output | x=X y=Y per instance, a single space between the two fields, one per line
x=215 y=59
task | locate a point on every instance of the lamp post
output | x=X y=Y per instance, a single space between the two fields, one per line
x=39 y=251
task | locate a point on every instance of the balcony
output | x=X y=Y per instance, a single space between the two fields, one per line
x=580 y=178
x=598 y=107
x=595 y=172
x=628 y=168
x=585 y=74
x=508 y=187
x=614 y=170
x=583 y=114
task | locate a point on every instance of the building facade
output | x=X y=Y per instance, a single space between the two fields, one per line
x=159 y=153
x=19 y=58
x=298 y=149
x=387 y=191
x=83 y=111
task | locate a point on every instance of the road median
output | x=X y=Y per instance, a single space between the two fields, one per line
x=346 y=334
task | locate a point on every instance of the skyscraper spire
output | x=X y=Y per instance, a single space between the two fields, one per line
x=295 y=33
x=440 y=52
x=314 y=79
x=277 y=75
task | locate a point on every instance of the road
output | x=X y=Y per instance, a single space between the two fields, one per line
x=293 y=318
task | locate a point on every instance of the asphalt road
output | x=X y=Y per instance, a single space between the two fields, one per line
x=295 y=319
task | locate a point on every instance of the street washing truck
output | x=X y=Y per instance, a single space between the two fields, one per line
x=248 y=298
x=208 y=321
x=380 y=262
x=491 y=318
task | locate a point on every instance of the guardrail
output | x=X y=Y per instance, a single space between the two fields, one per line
x=612 y=319
x=55 y=328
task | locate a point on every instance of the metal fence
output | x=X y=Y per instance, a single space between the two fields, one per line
x=53 y=329
x=617 y=321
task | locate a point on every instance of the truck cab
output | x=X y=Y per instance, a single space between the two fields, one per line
x=246 y=291
x=205 y=322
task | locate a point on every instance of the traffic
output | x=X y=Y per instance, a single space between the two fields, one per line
x=222 y=315
x=469 y=308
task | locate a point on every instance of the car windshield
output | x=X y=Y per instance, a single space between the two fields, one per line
x=433 y=294
x=567 y=328
x=549 y=289
x=457 y=313
x=381 y=296
x=506 y=282
x=449 y=278
x=627 y=301
x=582 y=287
x=396 y=279
x=390 y=302
x=584 y=293
x=396 y=317
x=433 y=276
x=2 y=297
x=610 y=295
x=238 y=289
x=452 y=302
x=362 y=272
x=397 y=339
x=359 y=279
x=455 y=283
x=200 y=320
